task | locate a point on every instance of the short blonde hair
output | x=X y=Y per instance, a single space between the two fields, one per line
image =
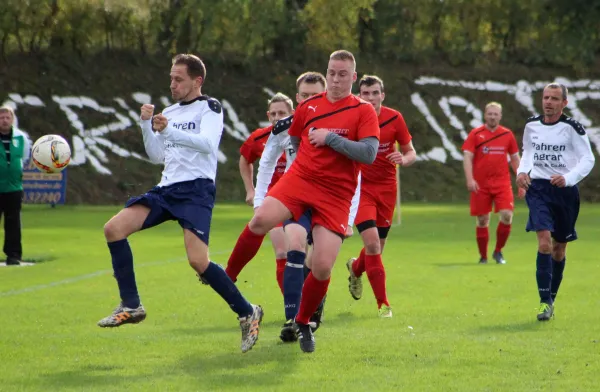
x=343 y=55
x=7 y=109
x=493 y=103
x=280 y=97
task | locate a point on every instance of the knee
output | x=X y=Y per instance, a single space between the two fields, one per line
x=321 y=272
x=545 y=245
x=506 y=217
x=199 y=264
x=112 y=232
x=297 y=243
x=373 y=247
x=259 y=224
x=559 y=251
x=483 y=221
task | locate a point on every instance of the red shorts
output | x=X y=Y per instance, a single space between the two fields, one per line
x=377 y=203
x=297 y=194
x=502 y=197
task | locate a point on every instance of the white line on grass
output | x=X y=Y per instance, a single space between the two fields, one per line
x=79 y=278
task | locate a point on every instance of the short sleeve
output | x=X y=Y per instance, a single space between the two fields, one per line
x=513 y=148
x=247 y=150
x=469 y=145
x=402 y=134
x=369 y=123
x=297 y=122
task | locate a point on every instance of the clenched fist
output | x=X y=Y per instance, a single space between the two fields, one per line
x=147 y=111
x=159 y=122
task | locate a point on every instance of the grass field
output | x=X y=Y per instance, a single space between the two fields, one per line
x=457 y=326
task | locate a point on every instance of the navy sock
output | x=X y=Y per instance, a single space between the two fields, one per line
x=306 y=271
x=122 y=262
x=543 y=275
x=293 y=280
x=224 y=286
x=557 y=274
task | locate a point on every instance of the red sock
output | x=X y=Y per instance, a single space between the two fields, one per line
x=280 y=267
x=245 y=249
x=376 y=275
x=502 y=233
x=483 y=236
x=313 y=293
x=358 y=267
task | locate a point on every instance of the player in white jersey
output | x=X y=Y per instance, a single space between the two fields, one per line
x=186 y=140
x=297 y=232
x=556 y=156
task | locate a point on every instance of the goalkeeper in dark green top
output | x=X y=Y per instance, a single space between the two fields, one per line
x=14 y=153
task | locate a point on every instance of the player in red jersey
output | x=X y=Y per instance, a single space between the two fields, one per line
x=378 y=194
x=488 y=178
x=279 y=106
x=333 y=133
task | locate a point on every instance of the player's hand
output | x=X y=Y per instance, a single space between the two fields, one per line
x=558 y=180
x=395 y=157
x=160 y=122
x=146 y=111
x=349 y=232
x=472 y=186
x=250 y=198
x=523 y=181
x=316 y=136
x=521 y=193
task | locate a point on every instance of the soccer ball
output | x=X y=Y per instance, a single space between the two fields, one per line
x=51 y=153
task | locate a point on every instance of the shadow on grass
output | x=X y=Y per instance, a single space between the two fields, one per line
x=337 y=320
x=524 y=326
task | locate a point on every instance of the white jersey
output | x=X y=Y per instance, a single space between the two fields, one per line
x=561 y=148
x=188 y=146
x=278 y=141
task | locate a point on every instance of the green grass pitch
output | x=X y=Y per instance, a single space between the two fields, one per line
x=457 y=325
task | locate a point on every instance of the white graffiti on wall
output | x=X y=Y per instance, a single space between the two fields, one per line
x=93 y=145
x=523 y=92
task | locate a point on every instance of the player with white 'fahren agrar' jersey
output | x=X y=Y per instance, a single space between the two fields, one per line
x=560 y=148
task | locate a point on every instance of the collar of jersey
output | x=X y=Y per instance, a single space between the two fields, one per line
x=200 y=98
x=561 y=118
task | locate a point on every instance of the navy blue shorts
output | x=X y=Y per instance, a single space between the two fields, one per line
x=554 y=209
x=306 y=222
x=189 y=202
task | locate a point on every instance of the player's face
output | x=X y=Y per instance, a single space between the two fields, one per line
x=492 y=116
x=373 y=95
x=183 y=87
x=307 y=90
x=277 y=111
x=340 y=76
x=553 y=101
x=6 y=122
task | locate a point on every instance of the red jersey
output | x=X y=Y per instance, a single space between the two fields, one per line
x=490 y=149
x=351 y=118
x=254 y=146
x=393 y=129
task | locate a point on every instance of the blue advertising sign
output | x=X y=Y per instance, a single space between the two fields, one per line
x=43 y=188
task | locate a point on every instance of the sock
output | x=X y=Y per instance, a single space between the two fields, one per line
x=557 y=274
x=122 y=262
x=483 y=236
x=359 y=264
x=224 y=286
x=376 y=275
x=293 y=280
x=245 y=249
x=279 y=268
x=313 y=293
x=306 y=271
x=502 y=233
x=543 y=275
